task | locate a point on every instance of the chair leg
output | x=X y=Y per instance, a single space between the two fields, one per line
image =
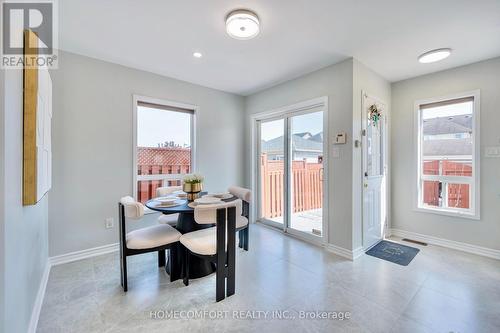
x=220 y=280
x=186 y=267
x=240 y=239
x=124 y=272
x=172 y=252
x=245 y=237
x=161 y=258
x=231 y=264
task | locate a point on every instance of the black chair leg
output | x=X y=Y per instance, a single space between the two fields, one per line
x=240 y=239
x=124 y=272
x=220 y=281
x=186 y=267
x=245 y=237
x=161 y=258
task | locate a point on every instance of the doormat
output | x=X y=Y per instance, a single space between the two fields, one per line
x=393 y=252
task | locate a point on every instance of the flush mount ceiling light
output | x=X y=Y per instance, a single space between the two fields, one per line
x=434 y=55
x=242 y=24
x=197 y=55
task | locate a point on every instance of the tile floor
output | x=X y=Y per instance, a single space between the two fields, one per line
x=440 y=291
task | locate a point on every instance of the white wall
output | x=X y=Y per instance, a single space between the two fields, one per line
x=92 y=144
x=486 y=77
x=336 y=82
x=367 y=81
x=25 y=237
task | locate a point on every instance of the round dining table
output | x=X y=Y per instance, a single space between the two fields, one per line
x=198 y=267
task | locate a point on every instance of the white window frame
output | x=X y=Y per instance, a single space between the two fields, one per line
x=166 y=103
x=474 y=181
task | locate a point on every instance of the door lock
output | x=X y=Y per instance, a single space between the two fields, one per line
x=365 y=185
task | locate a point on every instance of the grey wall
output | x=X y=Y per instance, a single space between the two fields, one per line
x=2 y=199
x=25 y=237
x=336 y=82
x=486 y=77
x=92 y=143
x=364 y=80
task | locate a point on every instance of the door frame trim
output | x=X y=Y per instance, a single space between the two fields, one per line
x=385 y=224
x=296 y=109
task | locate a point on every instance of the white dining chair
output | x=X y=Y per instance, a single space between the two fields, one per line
x=170 y=219
x=217 y=244
x=157 y=238
x=243 y=228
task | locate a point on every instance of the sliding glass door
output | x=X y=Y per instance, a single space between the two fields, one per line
x=306 y=174
x=272 y=171
x=290 y=172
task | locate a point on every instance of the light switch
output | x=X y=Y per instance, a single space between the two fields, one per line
x=492 y=152
x=340 y=138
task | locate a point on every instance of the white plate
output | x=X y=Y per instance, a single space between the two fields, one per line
x=219 y=194
x=224 y=196
x=166 y=200
x=207 y=200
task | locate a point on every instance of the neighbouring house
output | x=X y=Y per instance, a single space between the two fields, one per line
x=304 y=146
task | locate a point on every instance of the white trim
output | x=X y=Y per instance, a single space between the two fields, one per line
x=465 y=247
x=157 y=101
x=83 y=254
x=475 y=209
x=285 y=112
x=59 y=260
x=348 y=254
x=37 y=307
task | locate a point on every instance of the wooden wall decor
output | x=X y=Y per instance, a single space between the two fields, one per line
x=37 y=119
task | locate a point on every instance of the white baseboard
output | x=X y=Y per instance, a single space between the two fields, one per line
x=465 y=247
x=83 y=254
x=340 y=251
x=58 y=260
x=37 y=307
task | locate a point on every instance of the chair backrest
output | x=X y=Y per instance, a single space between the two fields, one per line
x=132 y=209
x=166 y=190
x=241 y=192
x=207 y=214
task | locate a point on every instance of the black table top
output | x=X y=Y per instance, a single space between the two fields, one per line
x=182 y=208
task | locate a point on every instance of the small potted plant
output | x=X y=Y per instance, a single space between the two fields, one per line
x=192 y=185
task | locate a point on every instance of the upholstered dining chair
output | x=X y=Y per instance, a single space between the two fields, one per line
x=216 y=244
x=170 y=219
x=242 y=228
x=157 y=238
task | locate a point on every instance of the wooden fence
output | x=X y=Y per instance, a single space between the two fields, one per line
x=307 y=186
x=457 y=194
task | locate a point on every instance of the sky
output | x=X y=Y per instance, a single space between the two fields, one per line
x=448 y=110
x=157 y=126
x=310 y=122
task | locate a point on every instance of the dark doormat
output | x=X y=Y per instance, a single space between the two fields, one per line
x=393 y=252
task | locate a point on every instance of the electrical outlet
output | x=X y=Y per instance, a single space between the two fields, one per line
x=492 y=152
x=109 y=222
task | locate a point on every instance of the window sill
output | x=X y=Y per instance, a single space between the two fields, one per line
x=446 y=212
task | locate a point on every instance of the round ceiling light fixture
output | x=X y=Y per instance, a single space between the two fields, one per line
x=197 y=55
x=242 y=24
x=434 y=55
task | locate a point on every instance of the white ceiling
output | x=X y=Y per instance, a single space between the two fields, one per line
x=297 y=37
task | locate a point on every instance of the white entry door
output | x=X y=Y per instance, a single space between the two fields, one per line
x=374 y=170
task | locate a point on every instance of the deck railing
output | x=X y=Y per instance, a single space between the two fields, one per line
x=306 y=191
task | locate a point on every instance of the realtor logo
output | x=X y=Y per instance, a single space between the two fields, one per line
x=17 y=18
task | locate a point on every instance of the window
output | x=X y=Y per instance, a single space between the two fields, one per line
x=163 y=147
x=448 y=155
